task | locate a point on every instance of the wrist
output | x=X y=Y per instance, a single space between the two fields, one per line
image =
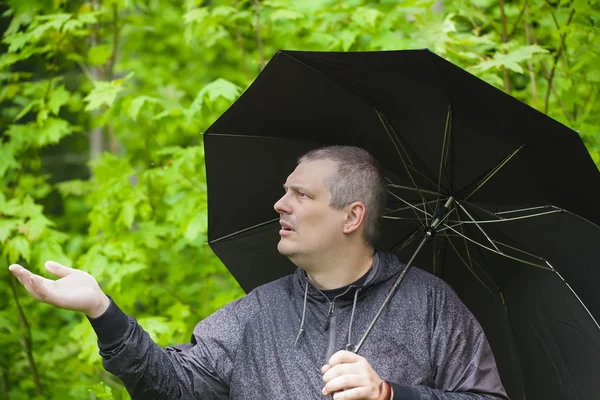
x=101 y=306
x=385 y=391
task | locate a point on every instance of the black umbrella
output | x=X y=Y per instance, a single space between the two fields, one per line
x=519 y=243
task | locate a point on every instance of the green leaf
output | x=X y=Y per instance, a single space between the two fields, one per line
x=74 y=187
x=16 y=248
x=89 y=17
x=197 y=15
x=366 y=16
x=6 y=227
x=72 y=25
x=52 y=21
x=127 y=214
x=155 y=326
x=7 y=159
x=284 y=15
x=511 y=59
x=58 y=97
x=223 y=11
x=347 y=38
x=195 y=226
x=138 y=103
x=36 y=226
x=222 y=88
x=50 y=250
x=100 y=54
x=27 y=108
x=52 y=131
x=104 y=93
x=217 y=88
x=16 y=41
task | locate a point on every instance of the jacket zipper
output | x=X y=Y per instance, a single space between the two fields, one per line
x=330 y=324
x=331 y=321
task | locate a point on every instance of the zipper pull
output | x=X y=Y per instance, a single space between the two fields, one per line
x=329 y=315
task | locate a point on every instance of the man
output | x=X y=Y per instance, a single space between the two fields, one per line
x=290 y=338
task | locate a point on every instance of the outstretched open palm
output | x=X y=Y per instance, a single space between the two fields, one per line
x=75 y=290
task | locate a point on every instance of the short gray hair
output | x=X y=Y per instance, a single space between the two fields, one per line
x=358 y=177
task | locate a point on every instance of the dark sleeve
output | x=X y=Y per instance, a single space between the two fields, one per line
x=464 y=362
x=198 y=370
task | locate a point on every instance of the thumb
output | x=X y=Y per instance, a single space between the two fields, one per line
x=57 y=269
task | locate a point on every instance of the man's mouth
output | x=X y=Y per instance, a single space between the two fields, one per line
x=285 y=227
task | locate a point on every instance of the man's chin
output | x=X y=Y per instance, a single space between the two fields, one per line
x=285 y=249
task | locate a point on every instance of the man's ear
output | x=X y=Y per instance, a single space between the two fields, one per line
x=354 y=216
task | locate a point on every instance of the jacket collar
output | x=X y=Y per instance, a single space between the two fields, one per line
x=385 y=266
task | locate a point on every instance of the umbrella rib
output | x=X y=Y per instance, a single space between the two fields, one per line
x=519 y=250
x=493 y=172
x=413 y=189
x=575 y=294
x=383 y=122
x=526 y=209
x=479 y=250
x=477 y=225
x=402 y=218
x=503 y=219
x=242 y=136
x=406 y=208
x=505 y=245
x=471 y=269
x=410 y=205
x=388 y=127
x=444 y=155
x=494 y=251
x=244 y=230
x=402 y=243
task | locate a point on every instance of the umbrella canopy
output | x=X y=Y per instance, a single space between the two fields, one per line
x=520 y=246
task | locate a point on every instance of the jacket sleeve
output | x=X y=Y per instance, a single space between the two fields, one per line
x=465 y=368
x=200 y=370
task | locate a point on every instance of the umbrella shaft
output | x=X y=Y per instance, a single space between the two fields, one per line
x=429 y=233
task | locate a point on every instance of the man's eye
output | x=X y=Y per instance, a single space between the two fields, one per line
x=300 y=194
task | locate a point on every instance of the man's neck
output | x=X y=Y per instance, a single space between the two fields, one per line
x=340 y=270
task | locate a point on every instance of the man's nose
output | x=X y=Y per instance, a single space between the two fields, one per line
x=282 y=205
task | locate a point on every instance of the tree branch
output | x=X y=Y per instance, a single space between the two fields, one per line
x=555 y=62
x=562 y=44
x=113 y=56
x=553 y=88
x=529 y=64
x=27 y=342
x=504 y=40
x=518 y=20
x=112 y=138
x=240 y=40
x=585 y=103
x=261 y=59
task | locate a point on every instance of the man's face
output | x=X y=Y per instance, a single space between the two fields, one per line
x=309 y=226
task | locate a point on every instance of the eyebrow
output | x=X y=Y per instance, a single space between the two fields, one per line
x=296 y=187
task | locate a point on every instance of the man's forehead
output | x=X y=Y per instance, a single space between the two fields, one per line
x=309 y=173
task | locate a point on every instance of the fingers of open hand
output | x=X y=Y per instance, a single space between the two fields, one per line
x=34 y=284
x=58 y=269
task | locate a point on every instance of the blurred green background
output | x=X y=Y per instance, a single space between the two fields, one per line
x=102 y=108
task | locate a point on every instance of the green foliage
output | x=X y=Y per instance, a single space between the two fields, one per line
x=101 y=162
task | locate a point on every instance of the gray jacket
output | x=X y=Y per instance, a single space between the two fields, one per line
x=426 y=343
